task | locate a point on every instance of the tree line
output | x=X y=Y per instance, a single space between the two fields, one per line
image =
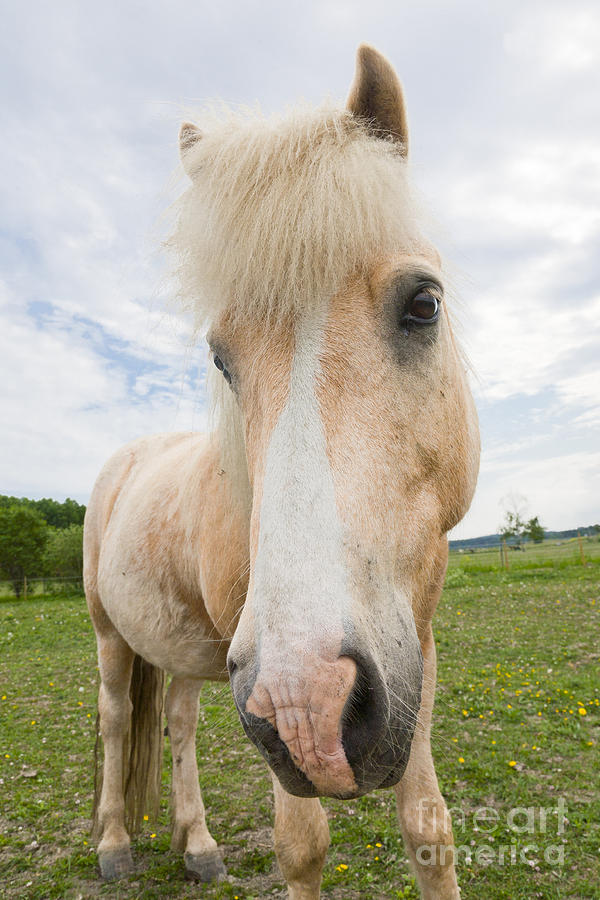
x=40 y=538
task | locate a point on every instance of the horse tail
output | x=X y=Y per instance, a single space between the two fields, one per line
x=142 y=748
x=143 y=754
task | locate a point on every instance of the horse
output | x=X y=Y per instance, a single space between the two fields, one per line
x=299 y=548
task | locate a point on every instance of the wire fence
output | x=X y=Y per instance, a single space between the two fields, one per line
x=579 y=550
x=35 y=587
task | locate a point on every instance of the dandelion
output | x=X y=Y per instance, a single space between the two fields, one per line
x=460 y=759
x=145 y=818
x=512 y=763
x=379 y=845
x=153 y=835
x=582 y=711
x=341 y=868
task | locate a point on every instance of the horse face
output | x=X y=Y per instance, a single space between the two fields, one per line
x=361 y=448
x=360 y=436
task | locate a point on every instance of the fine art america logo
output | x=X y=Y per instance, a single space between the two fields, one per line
x=523 y=823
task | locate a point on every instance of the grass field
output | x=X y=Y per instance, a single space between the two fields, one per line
x=549 y=553
x=517 y=724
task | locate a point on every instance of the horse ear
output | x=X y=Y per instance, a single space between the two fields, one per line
x=189 y=136
x=376 y=95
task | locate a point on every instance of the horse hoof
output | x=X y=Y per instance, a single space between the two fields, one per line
x=204 y=867
x=115 y=864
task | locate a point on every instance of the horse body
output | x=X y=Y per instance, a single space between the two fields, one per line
x=302 y=546
x=155 y=531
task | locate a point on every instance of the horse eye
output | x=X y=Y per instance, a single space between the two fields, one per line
x=424 y=306
x=220 y=366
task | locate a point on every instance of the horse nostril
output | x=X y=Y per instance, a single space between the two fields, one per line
x=360 y=709
x=231 y=666
x=365 y=720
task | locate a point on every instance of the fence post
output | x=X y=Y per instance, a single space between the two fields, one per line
x=505 y=554
x=24 y=587
x=580 y=548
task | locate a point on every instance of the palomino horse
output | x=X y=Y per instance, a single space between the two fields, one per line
x=299 y=550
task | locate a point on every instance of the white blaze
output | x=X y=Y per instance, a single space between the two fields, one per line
x=300 y=578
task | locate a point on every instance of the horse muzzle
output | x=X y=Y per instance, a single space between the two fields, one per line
x=335 y=728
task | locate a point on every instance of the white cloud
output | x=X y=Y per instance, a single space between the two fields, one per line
x=70 y=407
x=561 y=490
x=567 y=39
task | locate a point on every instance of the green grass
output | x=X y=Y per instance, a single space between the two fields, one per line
x=518 y=656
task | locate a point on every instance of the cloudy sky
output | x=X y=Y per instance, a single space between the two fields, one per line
x=504 y=108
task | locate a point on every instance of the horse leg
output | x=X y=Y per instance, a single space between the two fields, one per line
x=301 y=842
x=201 y=855
x=115 y=659
x=422 y=812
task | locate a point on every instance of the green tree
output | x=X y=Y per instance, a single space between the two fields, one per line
x=64 y=552
x=534 y=530
x=512 y=527
x=23 y=537
x=60 y=515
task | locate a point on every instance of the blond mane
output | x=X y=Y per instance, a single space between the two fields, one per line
x=278 y=215
x=280 y=212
